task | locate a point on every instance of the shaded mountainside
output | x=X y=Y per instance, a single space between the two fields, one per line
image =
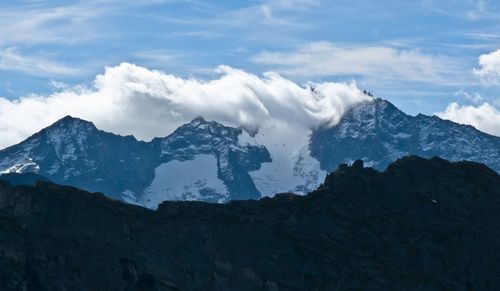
x=379 y=133
x=419 y=225
x=26 y=179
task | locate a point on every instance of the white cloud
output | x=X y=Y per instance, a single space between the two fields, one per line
x=490 y=68
x=129 y=99
x=484 y=117
x=12 y=60
x=375 y=62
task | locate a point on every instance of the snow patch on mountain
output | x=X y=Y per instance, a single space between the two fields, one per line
x=130 y=197
x=65 y=148
x=292 y=169
x=20 y=161
x=194 y=179
x=26 y=166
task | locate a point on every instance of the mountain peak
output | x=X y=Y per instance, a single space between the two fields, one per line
x=70 y=120
x=371 y=110
x=201 y=132
x=70 y=126
x=198 y=119
x=382 y=106
x=199 y=125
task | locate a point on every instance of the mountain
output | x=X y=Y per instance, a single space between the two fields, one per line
x=379 y=133
x=199 y=161
x=74 y=152
x=419 y=225
x=207 y=161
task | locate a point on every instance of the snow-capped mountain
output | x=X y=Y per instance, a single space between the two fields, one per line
x=203 y=160
x=379 y=133
x=199 y=161
x=208 y=161
x=74 y=152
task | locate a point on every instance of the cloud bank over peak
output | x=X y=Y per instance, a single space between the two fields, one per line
x=490 y=68
x=484 y=117
x=129 y=99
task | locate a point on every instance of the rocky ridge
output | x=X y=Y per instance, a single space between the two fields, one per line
x=420 y=225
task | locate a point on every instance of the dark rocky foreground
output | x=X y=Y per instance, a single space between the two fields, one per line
x=420 y=225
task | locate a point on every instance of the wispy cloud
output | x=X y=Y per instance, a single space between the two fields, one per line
x=369 y=61
x=468 y=9
x=196 y=34
x=43 y=22
x=35 y=23
x=475 y=97
x=12 y=60
x=297 y=5
x=158 y=58
x=263 y=14
x=482 y=35
x=34 y=35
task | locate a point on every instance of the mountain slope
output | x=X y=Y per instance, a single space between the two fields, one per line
x=379 y=133
x=420 y=225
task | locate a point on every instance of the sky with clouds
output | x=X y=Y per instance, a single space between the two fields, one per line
x=426 y=56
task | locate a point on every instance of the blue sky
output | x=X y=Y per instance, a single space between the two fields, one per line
x=422 y=55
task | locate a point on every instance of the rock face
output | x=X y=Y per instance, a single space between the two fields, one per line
x=379 y=133
x=419 y=225
x=74 y=152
